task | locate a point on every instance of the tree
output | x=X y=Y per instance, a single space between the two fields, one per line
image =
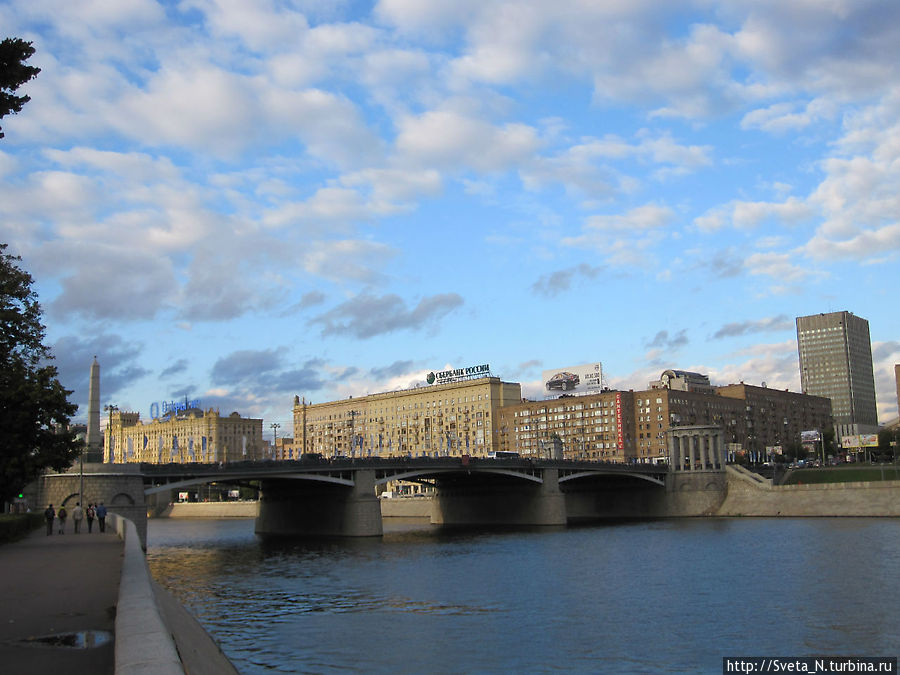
x=34 y=408
x=13 y=74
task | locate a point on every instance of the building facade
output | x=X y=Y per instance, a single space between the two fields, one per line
x=632 y=426
x=591 y=427
x=774 y=418
x=191 y=436
x=437 y=420
x=835 y=353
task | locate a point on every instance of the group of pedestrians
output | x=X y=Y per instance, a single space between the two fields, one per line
x=79 y=514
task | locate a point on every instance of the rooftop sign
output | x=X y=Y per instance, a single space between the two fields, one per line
x=459 y=374
x=172 y=407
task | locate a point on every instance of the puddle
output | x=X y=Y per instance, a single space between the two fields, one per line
x=84 y=639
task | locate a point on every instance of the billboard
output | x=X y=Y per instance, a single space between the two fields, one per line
x=584 y=379
x=859 y=441
x=848 y=442
x=810 y=436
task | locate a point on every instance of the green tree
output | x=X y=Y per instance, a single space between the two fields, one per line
x=13 y=74
x=34 y=408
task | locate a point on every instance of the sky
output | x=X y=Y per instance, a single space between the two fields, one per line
x=243 y=202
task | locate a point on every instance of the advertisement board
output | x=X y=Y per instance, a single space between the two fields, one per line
x=868 y=440
x=812 y=436
x=859 y=441
x=583 y=379
x=848 y=442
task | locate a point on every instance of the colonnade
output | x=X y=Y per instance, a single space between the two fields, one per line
x=696 y=449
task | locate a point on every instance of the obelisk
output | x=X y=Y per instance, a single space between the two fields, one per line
x=94 y=453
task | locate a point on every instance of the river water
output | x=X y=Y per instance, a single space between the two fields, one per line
x=646 y=597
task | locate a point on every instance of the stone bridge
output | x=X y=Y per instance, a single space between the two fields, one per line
x=338 y=497
x=317 y=497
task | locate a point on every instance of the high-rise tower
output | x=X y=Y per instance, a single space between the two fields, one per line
x=836 y=362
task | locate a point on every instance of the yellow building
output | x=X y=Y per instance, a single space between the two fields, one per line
x=192 y=435
x=437 y=420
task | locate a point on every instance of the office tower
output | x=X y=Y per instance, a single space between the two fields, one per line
x=836 y=362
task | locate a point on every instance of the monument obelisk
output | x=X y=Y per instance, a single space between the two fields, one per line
x=94 y=453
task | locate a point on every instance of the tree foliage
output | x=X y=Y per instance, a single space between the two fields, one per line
x=14 y=52
x=34 y=408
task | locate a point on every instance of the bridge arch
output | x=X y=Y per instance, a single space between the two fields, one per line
x=412 y=475
x=593 y=474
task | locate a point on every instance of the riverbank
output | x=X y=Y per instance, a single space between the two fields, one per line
x=751 y=495
x=243 y=509
x=398 y=507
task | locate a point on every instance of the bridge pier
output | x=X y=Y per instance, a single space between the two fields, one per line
x=321 y=509
x=495 y=504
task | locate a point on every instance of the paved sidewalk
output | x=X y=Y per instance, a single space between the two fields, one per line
x=61 y=584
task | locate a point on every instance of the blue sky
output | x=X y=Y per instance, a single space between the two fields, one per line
x=243 y=202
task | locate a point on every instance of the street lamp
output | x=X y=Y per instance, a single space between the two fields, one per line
x=274 y=427
x=110 y=409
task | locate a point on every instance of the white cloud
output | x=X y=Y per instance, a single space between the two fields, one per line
x=751 y=214
x=454 y=141
x=780 y=118
x=347 y=260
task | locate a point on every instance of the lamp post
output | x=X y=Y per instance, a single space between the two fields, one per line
x=110 y=409
x=274 y=427
x=80 y=437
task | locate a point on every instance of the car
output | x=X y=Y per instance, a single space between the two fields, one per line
x=563 y=380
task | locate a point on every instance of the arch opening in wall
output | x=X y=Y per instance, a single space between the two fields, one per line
x=122 y=499
x=69 y=501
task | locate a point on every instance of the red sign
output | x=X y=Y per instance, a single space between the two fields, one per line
x=620 y=438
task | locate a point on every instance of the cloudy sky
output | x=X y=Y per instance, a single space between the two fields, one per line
x=246 y=201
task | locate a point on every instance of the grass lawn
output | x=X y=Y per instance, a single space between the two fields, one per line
x=844 y=474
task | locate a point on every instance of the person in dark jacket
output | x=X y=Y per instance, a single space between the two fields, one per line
x=49 y=516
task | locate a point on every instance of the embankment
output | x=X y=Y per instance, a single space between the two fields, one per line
x=750 y=495
x=209 y=510
x=401 y=507
x=154 y=633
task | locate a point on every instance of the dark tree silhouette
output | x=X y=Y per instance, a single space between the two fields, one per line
x=13 y=74
x=34 y=408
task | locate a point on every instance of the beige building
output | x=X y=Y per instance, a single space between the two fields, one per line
x=191 y=436
x=435 y=420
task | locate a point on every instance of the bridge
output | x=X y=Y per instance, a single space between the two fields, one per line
x=318 y=497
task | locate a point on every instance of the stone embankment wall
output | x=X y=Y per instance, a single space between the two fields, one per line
x=756 y=496
x=406 y=507
x=209 y=510
x=119 y=487
x=154 y=633
x=400 y=507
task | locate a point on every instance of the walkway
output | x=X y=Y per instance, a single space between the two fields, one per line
x=61 y=584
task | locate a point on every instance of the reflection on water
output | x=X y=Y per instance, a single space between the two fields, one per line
x=665 y=596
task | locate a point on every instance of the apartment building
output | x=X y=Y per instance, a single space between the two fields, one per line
x=452 y=418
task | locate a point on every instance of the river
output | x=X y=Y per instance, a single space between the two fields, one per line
x=645 y=597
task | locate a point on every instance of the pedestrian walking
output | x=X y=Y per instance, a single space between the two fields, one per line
x=49 y=516
x=77 y=517
x=62 y=515
x=101 y=516
x=89 y=513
